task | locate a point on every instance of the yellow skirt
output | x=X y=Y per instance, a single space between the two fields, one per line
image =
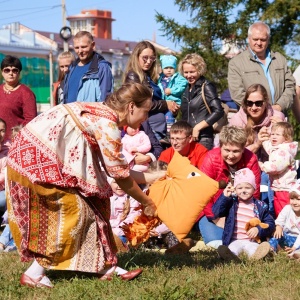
x=58 y=227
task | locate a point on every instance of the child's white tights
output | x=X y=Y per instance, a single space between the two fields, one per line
x=246 y=246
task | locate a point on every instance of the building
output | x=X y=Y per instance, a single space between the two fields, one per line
x=38 y=50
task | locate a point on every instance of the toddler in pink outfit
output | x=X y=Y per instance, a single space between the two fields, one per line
x=281 y=165
x=135 y=141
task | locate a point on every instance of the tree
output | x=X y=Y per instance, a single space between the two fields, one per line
x=214 y=21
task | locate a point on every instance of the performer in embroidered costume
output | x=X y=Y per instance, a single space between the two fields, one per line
x=58 y=198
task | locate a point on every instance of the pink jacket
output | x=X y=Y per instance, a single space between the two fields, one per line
x=215 y=167
x=3 y=159
x=117 y=207
x=140 y=141
x=240 y=118
x=281 y=164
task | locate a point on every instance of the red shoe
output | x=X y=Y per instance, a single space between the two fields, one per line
x=107 y=277
x=40 y=282
x=131 y=274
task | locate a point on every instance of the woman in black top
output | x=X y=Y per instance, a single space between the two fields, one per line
x=194 y=111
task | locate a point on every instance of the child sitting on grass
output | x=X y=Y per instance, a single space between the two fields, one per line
x=238 y=210
x=287 y=233
x=123 y=209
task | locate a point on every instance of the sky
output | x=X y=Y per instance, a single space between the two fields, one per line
x=135 y=19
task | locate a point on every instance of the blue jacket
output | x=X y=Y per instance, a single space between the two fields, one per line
x=95 y=84
x=177 y=84
x=227 y=207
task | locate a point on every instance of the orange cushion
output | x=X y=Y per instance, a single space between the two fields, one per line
x=182 y=196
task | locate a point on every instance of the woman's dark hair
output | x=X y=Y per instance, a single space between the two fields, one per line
x=251 y=133
x=11 y=61
x=2 y=121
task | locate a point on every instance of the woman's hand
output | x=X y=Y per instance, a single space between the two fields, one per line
x=278 y=232
x=141 y=159
x=150 y=209
x=173 y=107
x=263 y=135
x=196 y=132
x=252 y=233
x=274 y=119
x=154 y=176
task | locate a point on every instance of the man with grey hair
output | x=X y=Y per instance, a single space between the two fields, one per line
x=259 y=64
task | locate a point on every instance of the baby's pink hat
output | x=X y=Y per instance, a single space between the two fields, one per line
x=244 y=175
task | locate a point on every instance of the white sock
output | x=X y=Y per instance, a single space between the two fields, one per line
x=35 y=270
x=120 y=271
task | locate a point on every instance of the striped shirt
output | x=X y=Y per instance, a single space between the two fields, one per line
x=244 y=213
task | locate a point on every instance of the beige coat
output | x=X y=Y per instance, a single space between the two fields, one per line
x=244 y=70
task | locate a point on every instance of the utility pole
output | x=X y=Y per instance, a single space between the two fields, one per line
x=64 y=22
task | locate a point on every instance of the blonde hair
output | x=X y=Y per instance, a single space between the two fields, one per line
x=127 y=93
x=134 y=65
x=62 y=55
x=233 y=135
x=195 y=60
x=288 y=131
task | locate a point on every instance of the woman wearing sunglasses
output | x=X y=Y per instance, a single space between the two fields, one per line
x=18 y=105
x=142 y=68
x=255 y=113
x=256 y=116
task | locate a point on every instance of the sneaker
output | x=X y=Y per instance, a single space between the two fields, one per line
x=262 y=250
x=226 y=254
x=182 y=247
x=10 y=249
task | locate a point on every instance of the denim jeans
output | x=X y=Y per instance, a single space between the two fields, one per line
x=285 y=241
x=209 y=231
x=2 y=201
x=6 y=238
x=267 y=197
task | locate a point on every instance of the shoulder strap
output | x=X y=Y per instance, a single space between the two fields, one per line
x=88 y=137
x=204 y=99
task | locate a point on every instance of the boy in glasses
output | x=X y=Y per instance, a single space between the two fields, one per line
x=172 y=85
x=281 y=164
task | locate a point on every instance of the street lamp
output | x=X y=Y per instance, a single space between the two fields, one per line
x=65 y=33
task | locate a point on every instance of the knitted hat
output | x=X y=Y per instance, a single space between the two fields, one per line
x=168 y=61
x=244 y=175
x=295 y=187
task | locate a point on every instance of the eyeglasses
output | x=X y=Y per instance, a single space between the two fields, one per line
x=8 y=70
x=146 y=58
x=178 y=139
x=258 y=103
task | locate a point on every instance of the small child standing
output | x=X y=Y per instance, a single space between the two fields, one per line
x=172 y=84
x=281 y=165
x=135 y=141
x=123 y=209
x=238 y=209
x=287 y=233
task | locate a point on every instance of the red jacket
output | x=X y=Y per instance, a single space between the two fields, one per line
x=196 y=155
x=215 y=167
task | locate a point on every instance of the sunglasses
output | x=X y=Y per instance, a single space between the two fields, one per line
x=258 y=103
x=146 y=58
x=8 y=70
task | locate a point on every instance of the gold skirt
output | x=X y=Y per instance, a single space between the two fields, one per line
x=58 y=227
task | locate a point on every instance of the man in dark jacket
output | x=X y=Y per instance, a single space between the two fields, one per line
x=89 y=78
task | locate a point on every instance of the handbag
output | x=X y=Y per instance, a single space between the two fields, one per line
x=221 y=122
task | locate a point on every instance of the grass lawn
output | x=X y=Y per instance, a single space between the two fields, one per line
x=197 y=275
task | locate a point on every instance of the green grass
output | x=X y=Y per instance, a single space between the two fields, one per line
x=199 y=275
